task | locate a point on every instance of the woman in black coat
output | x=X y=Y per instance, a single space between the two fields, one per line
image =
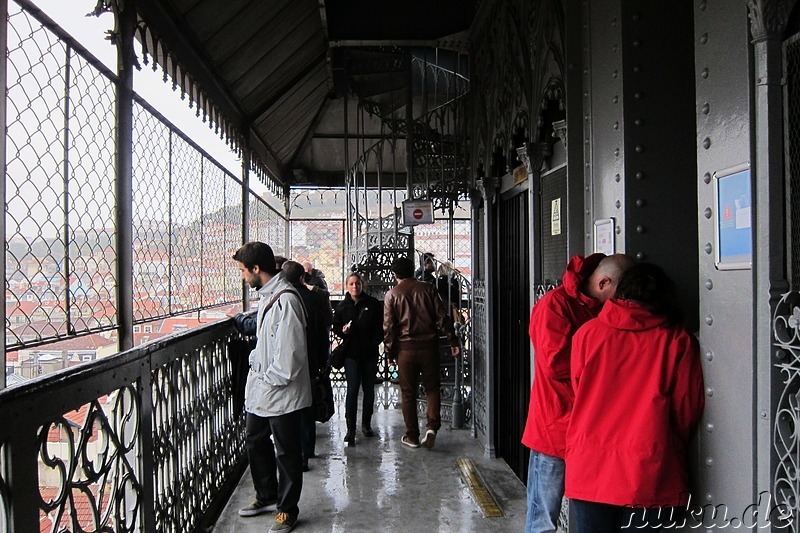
x=358 y=320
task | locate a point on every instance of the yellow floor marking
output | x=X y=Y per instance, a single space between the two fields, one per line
x=477 y=487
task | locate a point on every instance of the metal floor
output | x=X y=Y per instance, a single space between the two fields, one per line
x=381 y=485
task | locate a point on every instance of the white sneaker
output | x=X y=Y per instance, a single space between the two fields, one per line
x=429 y=439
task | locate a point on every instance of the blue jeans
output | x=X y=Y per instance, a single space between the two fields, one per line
x=593 y=517
x=545 y=491
x=360 y=373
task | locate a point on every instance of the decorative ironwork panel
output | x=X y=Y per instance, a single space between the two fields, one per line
x=480 y=416
x=151 y=215
x=786 y=380
x=59 y=192
x=90 y=478
x=192 y=440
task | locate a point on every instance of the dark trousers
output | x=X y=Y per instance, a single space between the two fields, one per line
x=308 y=432
x=277 y=470
x=360 y=373
x=410 y=364
x=592 y=517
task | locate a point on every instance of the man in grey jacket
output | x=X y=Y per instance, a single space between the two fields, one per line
x=278 y=388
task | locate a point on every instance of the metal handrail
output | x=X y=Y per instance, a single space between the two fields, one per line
x=149 y=439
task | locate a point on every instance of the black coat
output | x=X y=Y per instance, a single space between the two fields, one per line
x=366 y=329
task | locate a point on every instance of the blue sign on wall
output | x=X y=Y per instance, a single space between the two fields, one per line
x=734 y=221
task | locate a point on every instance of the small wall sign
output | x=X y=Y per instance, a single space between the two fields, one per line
x=555 y=217
x=417 y=212
x=733 y=231
x=604 y=241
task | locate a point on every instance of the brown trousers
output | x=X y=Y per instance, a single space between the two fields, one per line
x=410 y=364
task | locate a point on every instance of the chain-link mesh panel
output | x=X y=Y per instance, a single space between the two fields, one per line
x=435 y=238
x=322 y=243
x=221 y=236
x=59 y=268
x=186 y=247
x=151 y=216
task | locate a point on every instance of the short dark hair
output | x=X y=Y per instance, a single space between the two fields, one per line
x=256 y=253
x=650 y=286
x=279 y=261
x=403 y=267
x=293 y=271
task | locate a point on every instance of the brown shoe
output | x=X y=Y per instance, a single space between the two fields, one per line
x=429 y=439
x=408 y=441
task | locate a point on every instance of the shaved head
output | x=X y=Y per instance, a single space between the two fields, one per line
x=602 y=283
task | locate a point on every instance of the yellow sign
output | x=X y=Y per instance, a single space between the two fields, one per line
x=520 y=174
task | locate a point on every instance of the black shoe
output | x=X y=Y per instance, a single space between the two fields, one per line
x=306 y=468
x=367 y=431
x=350 y=439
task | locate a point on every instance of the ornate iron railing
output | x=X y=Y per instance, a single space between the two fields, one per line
x=145 y=440
x=786 y=416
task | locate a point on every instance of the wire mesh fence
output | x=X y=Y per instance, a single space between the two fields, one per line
x=61 y=208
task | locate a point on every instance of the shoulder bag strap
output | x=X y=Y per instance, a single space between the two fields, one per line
x=275 y=299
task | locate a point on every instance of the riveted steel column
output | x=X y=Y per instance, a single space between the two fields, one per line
x=768 y=20
x=246 y=154
x=488 y=187
x=124 y=187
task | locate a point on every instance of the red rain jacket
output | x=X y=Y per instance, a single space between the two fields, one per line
x=554 y=319
x=638 y=394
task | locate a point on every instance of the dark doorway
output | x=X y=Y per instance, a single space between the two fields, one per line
x=513 y=353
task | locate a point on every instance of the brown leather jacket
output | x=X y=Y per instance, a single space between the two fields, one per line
x=413 y=316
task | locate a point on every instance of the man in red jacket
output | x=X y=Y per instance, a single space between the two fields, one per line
x=586 y=284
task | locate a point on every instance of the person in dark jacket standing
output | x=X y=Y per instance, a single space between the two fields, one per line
x=413 y=316
x=358 y=319
x=638 y=395
x=586 y=284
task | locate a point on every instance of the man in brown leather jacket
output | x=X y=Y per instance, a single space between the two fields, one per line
x=413 y=316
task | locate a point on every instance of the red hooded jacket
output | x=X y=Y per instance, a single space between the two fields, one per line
x=554 y=319
x=638 y=394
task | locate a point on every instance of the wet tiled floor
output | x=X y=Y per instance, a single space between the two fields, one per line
x=382 y=485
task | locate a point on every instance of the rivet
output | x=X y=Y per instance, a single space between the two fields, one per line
x=707 y=178
x=586 y=94
x=708 y=249
x=704 y=73
x=639 y=148
x=586 y=71
x=636 y=16
x=585 y=117
x=618 y=230
x=587 y=211
x=586 y=142
x=706 y=108
x=614 y=22
x=616 y=151
x=707 y=212
x=637 y=95
x=586 y=188
x=702 y=6
x=614 y=48
x=710 y=427
x=639 y=175
x=706 y=143
x=637 y=68
x=639 y=202
x=780 y=354
x=709 y=392
x=640 y=256
x=637 y=43
x=617 y=204
x=709 y=461
x=614 y=74
x=704 y=38
x=709 y=284
x=639 y=229
x=763 y=414
x=616 y=125
x=709 y=320
x=617 y=178
x=638 y=122
x=615 y=99
x=709 y=355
